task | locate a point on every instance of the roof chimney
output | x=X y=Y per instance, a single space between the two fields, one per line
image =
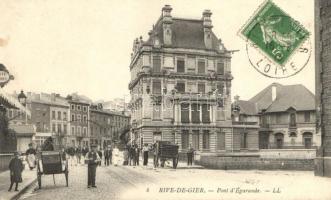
x=166 y=22
x=273 y=93
x=207 y=26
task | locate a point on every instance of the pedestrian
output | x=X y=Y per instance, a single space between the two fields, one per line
x=131 y=155
x=71 y=152
x=116 y=154
x=145 y=152
x=16 y=168
x=92 y=159
x=48 y=145
x=78 y=153
x=85 y=150
x=125 y=156
x=136 y=154
x=190 y=154
x=100 y=154
x=31 y=156
x=108 y=155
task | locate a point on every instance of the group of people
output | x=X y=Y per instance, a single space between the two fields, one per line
x=131 y=154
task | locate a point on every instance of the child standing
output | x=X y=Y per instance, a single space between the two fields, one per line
x=16 y=168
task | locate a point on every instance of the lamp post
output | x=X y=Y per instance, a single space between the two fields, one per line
x=22 y=99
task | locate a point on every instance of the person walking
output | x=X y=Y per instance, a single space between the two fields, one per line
x=190 y=154
x=108 y=155
x=145 y=153
x=31 y=156
x=92 y=159
x=125 y=156
x=16 y=168
x=100 y=155
x=136 y=154
x=78 y=154
x=116 y=154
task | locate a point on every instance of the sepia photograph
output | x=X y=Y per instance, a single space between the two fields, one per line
x=165 y=99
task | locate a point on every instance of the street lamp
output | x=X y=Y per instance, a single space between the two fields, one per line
x=22 y=99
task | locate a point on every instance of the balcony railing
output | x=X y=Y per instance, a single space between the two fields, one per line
x=243 y=123
x=288 y=145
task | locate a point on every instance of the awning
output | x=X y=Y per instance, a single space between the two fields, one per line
x=12 y=102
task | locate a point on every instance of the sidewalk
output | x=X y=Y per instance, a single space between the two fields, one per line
x=29 y=176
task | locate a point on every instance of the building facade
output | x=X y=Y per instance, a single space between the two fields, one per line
x=181 y=85
x=285 y=115
x=322 y=79
x=107 y=126
x=79 y=121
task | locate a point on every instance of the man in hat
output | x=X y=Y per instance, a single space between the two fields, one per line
x=16 y=168
x=108 y=155
x=92 y=158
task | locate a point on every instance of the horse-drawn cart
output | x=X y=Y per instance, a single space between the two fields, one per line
x=164 y=150
x=50 y=163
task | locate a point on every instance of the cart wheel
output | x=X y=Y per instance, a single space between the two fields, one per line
x=162 y=163
x=175 y=162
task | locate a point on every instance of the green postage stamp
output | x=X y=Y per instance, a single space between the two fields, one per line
x=274 y=33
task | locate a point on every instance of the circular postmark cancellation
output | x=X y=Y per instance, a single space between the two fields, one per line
x=277 y=46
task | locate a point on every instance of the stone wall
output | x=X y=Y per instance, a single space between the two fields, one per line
x=255 y=162
x=4 y=161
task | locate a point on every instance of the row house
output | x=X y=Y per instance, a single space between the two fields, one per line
x=285 y=115
x=181 y=85
x=106 y=126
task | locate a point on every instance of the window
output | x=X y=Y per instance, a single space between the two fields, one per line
x=72 y=117
x=59 y=115
x=84 y=131
x=65 y=116
x=72 y=107
x=156 y=87
x=59 y=128
x=53 y=128
x=53 y=114
x=307 y=116
x=195 y=111
x=180 y=66
x=181 y=87
x=292 y=119
x=156 y=111
x=79 y=118
x=185 y=113
x=85 y=108
x=279 y=138
x=156 y=64
x=205 y=139
x=201 y=67
x=78 y=107
x=243 y=141
x=64 y=128
x=205 y=113
x=79 y=129
x=220 y=87
x=84 y=118
x=185 y=139
x=220 y=141
x=201 y=88
x=278 y=118
x=307 y=140
x=195 y=139
x=220 y=68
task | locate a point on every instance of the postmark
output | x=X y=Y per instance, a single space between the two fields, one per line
x=277 y=45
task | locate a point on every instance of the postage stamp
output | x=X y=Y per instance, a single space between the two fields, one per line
x=277 y=37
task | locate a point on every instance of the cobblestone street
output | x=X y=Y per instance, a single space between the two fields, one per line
x=128 y=182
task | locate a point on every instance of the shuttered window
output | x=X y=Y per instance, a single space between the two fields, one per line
x=156 y=64
x=195 y=111
x=205 y=113
x=156 y=86
x=185 y=113
x=195 y=139
x=205 y=139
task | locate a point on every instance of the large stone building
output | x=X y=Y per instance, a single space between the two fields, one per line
x=181 y=85
x=285 y=115
x=323 y=84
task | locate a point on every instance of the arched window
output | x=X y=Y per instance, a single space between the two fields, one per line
x=307 y=139
x=279 y=139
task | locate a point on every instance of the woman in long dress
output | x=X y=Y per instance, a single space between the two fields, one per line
x=116 y=155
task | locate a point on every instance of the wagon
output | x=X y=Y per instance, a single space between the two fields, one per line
x=164 y=150
x=50 y=163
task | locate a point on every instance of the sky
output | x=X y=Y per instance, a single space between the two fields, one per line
x=84 y=46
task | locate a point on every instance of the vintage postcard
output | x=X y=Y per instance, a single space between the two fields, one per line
x=165 y=100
